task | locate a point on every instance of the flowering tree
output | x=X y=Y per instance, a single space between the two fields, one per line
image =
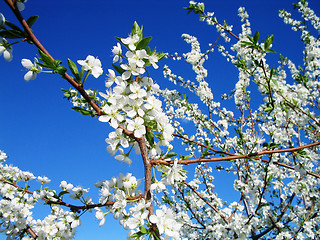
x=271 y=151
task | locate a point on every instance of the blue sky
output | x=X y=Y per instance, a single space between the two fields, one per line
x=40 y=133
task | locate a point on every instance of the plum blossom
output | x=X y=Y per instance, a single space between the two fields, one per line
x=33 y=68
x=130 y=41
x=100 y=215
x=174 y=173
x=138 y=215
x=3 y=155
x=20 y=5
x=153 y=59
x=117 y=51
x=131 y=69
x=112 y=115
x=136 y=126
x=135 y=58
x=5 y=49
x=112 y=78
x=93 y=65
x=166 y=223
x=123 y=157
x=137 y=91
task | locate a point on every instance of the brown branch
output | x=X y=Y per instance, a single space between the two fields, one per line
x=38 y=44
x=251 y=155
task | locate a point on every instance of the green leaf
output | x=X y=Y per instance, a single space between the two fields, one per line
x=270 y=51
x=60 y=69
x=118 y=69
x=143 y=43
x=268 y=42
x=186 y=157
x=12 y=34
x=170 y=155
x=82 y=111
x=136 y=30
x=152 y=124
x=13 y=26
x=82 y=72
x=206 y=152
x=143 y=230
x=150 y=139
x=74 y=69
x=46 y=59
x=268 y=109
x=160 y=55
x=31 y=20
x=256 y=37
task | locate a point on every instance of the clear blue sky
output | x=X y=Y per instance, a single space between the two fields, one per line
x=40 y=133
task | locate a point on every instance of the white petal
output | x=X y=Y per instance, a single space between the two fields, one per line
x=30 y=76
x=97 y=71
x=20 y=6
x=104 y=118
x=126 y=75
x=7 y=56
x=27 y=63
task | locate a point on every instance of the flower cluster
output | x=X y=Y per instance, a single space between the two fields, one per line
x=120 y=190
x=132 y=102
x=16 y=206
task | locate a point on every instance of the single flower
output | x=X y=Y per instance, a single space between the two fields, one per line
x=130 y=41
x=20 y=5
x=5 y=49
x=117 y=51
x=93 y=65
x=33 y=68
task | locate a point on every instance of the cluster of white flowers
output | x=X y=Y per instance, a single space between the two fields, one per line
x=16 y=206
x=166 y=222
x=118 y=190
x=133 y=104
x=278 y=192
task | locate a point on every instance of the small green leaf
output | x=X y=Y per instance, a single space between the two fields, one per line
x=160 y=55
x=136 y=30
x=150 y=139
x=82 y=72
x=46 y=59
x=60 y=69
x=256 y=37
x=170 y=155
x=186 y=157
x=13 y=26
x=268 y=109
x=82 y=111
x=118 y=69
x=31 y=20
x=270 y=51
x=143 y=230
x=12 y=34
x=143 y=43
x=268 y=42
x=74 y=69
